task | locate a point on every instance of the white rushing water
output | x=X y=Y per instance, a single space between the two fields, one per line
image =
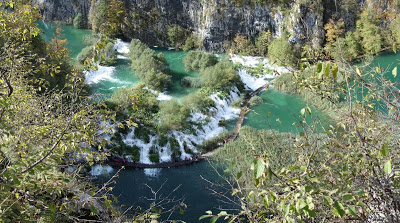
x=121 y=47
x=102 y=73
x=209 y=129
x=253 y=82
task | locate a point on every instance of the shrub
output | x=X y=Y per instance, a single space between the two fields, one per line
x=372 y=40
x=90 y=39
x=163 y=140
x=220 y=76
x=154 y=156
x=262 y=42
x=395 y=29
x=199 y=60
x=238 y=102
x=176 y=35
x=86 y=52
x=255 y=100
x=150 y=67
x=198 y=101
x=188 y=81
x=172 y=115
x=134 y=151
x=79 y=22
x=192 y=42
x=214 y=142
x=175 y=148
x=140 y=103
x=242 y=45
x=280 y=51
x=110 y=54
x=98 y=15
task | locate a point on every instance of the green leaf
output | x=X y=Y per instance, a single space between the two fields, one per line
x=358 y=71
x=348 y=197
x=214 y=219
x=17 y=195
x=334 y=71
x=385 y=150
x=16 y=180
x=338 y=209
x=204 y=216
x=52 y=207
x=328 y=200
x=388 y=167
x=239 y=175
x=308 y=110
x=266 y=202
x=327 y=68
x=93 y=210
x=259 y=168
x=352 y=211
x=300 y=204
x=303 y=111
x=394 y=71
x=319 y=67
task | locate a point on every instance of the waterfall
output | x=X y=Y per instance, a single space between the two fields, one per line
x=253 y=82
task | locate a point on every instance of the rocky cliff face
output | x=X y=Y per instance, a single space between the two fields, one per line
x=62 y=10
x=215 y=21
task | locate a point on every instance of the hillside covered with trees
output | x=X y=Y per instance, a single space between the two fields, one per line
x=55 y=130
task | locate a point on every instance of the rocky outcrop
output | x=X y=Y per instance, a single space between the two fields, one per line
x=62 y=10
x=215 y=21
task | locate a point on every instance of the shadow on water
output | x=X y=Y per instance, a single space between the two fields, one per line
x=186 y=183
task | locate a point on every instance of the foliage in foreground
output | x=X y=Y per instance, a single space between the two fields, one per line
x=349 y=171
x=44 y=127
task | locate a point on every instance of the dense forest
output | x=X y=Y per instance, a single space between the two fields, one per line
x=339 y=164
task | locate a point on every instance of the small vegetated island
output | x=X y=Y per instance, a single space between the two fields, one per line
x=339 y=161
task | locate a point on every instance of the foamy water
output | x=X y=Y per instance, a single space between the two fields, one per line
x=254 y=82
x=121 y=47
x=102 y=73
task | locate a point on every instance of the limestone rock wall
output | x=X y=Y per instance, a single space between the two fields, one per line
x=215 y=21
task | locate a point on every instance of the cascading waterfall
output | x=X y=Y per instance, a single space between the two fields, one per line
x=209 y=122
x=254 y=82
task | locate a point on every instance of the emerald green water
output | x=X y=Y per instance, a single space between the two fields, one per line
x=386 y=61
x=74 y=36
x=177 y=70
x=279 y=111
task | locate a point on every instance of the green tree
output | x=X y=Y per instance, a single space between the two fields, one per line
x=79 y=22
x=199 y=60
x=372 y=40
x=262 y=42
x=150 y=67
x=176 y=35
x=172 y=115
x=221 y=76
x=280 y=52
